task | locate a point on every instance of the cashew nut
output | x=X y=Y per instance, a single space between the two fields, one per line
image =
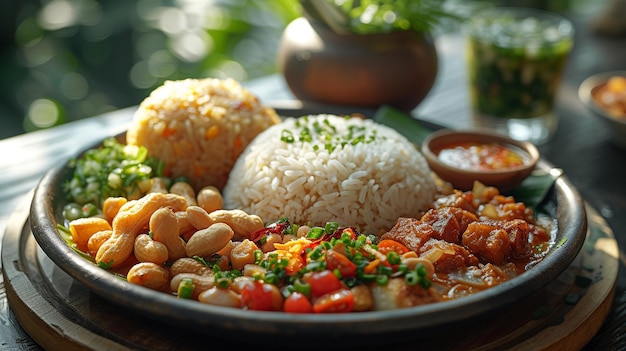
x=133 y=217
x=243 y=224
x=149 y=275
x=220 y=297
x=206 y=242
x=210 y=199
x=185 y=190
x=164 y=228
x=148 y=250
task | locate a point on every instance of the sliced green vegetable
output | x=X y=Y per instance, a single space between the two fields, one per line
x=536 y=187
x=185 y=288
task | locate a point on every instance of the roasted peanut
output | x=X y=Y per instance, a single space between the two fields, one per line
x=241 y=282
x=132 y=217
x=96 y=240
x=243 y=224
x=189 y=265
x=200 y=283
x=111 y=206
x=303 y=230
x=183 y=223
x=243 y=254
x=363 y=300
x=206 y=242
x=164 y=228
x=220 y=297
x=148 y=250
x=149 y=275
x=157 y=185
x=210 y=199
x=83 y=228
x=185 y=190
x=198 y=217
x=289 y=237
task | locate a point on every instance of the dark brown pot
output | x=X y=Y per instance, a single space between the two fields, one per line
x=397 y=69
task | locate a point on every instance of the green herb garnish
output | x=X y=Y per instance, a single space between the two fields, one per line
x=185 y=288
x=325 y=136
x=114 y=169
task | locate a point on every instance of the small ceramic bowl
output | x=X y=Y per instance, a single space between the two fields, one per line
x=616 y=125
x=455 y=156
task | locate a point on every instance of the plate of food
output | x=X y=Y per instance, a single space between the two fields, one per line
x=214 y=212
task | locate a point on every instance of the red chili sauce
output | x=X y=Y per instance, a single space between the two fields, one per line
x=482 y=156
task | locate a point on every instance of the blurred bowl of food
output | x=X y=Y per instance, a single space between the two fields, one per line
x=605 y=95
x=462 y=157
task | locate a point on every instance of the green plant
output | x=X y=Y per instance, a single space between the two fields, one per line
x=379 y=16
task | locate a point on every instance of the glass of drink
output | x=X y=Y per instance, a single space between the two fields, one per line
x=515 y=61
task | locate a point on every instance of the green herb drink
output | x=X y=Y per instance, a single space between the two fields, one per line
x=515 y=61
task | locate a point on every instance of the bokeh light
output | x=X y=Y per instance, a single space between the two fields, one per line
x=44 y=113
x=72 y=59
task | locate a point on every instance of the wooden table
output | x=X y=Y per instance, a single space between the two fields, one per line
x=580 y=148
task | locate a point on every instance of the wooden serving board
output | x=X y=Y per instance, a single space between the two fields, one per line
x=61 y=314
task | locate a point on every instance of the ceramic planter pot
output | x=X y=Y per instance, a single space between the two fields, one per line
x=319 y=65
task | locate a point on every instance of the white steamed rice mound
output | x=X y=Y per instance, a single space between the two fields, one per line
x=199 y=127
x=367 y=185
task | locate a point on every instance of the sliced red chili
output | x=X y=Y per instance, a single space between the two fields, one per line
x=274 y=228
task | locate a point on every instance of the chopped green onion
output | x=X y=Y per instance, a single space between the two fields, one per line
x=287 y=136
x=315 y=233
x=382 y=279
x=104 y=265
x=301 y=287
x=185 y=288
x=393 y=257
x=331 y=227
x=272 y=278
x=421 y=270
x=382 y=269
x=317 y=253
x=411 y=278
x=114 y=169
x=258 y=256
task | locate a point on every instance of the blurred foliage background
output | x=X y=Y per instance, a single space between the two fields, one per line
x=63 y=60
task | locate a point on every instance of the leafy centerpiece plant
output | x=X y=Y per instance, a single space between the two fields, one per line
x=363 y=53
x=379 y=16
